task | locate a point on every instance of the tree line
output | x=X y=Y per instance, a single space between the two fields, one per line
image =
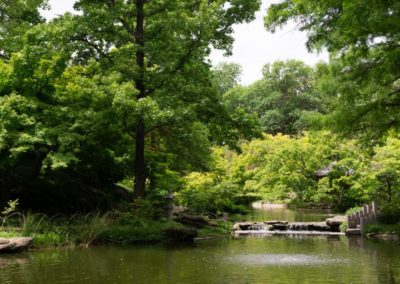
x=120 y=102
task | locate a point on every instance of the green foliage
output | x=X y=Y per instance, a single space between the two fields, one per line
x=362 y=38
x=159 y=52
x=285 y=99
x=316 y=168
x=226 y=76
x=383 y=229
x=151 y=208
x=16 y=17
x=222 y=230
x=11 y=207
x=138 y=231
x=72 y=98
x=87 y=229
x=205 y=192
x=52 y=119
x=389 y=213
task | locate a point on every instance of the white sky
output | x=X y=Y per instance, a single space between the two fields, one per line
x=253 y=46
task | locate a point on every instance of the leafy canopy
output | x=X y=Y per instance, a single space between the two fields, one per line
x=363 y=40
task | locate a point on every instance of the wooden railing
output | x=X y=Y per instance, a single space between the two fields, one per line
x=367 y=215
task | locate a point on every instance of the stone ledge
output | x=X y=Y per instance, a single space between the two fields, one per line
x=12 y=245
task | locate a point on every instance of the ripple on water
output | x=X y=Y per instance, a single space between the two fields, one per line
x=285 y=259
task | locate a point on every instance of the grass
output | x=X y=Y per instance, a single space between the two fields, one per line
x=94 y=228
x=144 y=231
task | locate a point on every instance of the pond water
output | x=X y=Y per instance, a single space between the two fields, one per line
x=284 y=214
x=246 y=260
x=274 y=259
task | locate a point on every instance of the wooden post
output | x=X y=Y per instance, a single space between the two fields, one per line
x=366 y=211
x=358 y=217
x=349 y=222
x=374 y=211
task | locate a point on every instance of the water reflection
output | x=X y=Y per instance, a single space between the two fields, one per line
x=283 y=214
x=285 y=259
x=8 y=260
x=278 y=259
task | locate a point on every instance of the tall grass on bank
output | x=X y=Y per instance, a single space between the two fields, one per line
x=85 y=230
x=56 y=230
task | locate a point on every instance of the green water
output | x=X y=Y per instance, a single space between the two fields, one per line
x=274 y=259
x=283 y=214
x=247 y=260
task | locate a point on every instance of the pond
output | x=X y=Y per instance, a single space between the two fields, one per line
x=246 y=260
x=284 y=214
x=274 y=259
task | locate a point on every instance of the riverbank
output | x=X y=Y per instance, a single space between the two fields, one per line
x=383 y=232
x=95 y=229
x=275 y=259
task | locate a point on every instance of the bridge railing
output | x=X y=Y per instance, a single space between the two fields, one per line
x=367 y=215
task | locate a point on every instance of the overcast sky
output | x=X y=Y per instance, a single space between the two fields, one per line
x=253 y=47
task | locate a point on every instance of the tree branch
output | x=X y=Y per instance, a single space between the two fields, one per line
x=94 y=46
x=157 y=127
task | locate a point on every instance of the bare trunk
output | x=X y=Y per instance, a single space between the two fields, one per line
x=140 y=162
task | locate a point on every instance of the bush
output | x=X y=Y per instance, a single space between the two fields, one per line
x=390 y=213
x=383 y=229
x=204 y=194
x=138 y=231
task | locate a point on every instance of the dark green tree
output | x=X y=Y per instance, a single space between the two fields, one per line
x=159 y=49
x=226 y=76
x=16 y=17
x=363 y=40
x=284 y=99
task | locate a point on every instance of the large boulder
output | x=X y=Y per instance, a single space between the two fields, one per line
x=335 y=222
x=15 y=244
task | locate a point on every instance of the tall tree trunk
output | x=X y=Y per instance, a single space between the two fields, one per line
x=140 y=162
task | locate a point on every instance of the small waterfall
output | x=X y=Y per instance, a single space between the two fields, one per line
x=331 y=225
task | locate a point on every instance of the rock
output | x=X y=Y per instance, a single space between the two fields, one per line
x=265 y=205
x=309 y=226
x=336 y=221
x=186 y=235
x=14 y=244
x=245 y=226
x=249 y=226
x=276 y=222
x=236 y=227
x=320 y=226
x=192 y=221
x=280 y=226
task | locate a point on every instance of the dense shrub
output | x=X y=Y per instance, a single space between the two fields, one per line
x=390 y=213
